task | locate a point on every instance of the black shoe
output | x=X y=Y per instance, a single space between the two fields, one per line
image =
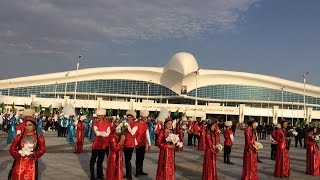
x=143 y=173
x=230 y=163
x=259 y=161
x=136 y=175
x=128 y=177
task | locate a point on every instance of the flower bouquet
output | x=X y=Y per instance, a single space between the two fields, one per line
x=316 y=138
x=122 y=127
x=184 y=127
x=218 y=148
x=174 y=139
x=257 y=146
x=27 y=149
x=292 y=133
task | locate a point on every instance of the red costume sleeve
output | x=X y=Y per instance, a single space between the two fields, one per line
x=209 y=143
x=14 y=148
x=161 y=142
x=41 y=147
x=249 y=139
x=114 y=145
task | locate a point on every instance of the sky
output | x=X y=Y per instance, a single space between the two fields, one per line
x=273 y=37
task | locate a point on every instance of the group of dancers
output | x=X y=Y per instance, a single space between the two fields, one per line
x=118 y=138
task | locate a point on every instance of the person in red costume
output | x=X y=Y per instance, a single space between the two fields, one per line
x=166 y=162
x=130 y=142
x=190 y=131
x=157 y=129
x=250 y=155
x=78 y=148
x=115 y=159
x=26 y=148
x=282 y=167
x=144 y=142
x=202 y=140
x=228 y=141
x=102 y=130
x=313 y=158
x=196 y=132
x=180 y=133
x=212 y=138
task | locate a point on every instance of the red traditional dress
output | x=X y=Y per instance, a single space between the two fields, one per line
x=115 y=160
x=282 y=168
x=158 y=128
x=78 y=148
x=180 y=133
x=210 y=155
x=165 y=170
x=202 y=140
x=250 y=157
x=313 y=158
x=25 y=167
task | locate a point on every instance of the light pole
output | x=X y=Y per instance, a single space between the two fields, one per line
x=304 y=94
x=66 y=83
x=75 y=87
x=9 y=88
x=196 y=102
x=149 y=89
x=282 y=100
x=55 y=90
x=268 y=110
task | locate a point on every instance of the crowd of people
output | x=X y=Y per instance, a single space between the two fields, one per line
x=117 y=138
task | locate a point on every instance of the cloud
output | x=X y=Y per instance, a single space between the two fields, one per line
x=60 y=26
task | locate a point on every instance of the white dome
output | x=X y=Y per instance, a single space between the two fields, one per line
x=183 y=63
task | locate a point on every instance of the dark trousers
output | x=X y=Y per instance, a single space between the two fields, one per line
x=97 y=153
x=156 y=139
x=59 y=129
x=273 y=151
x=226 y=153
x=63 y=131
x=190 y=137
x=127 y=159
x=140 y=152
x=300 y=141
x=195 y=137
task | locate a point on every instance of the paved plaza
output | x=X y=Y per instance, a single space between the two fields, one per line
x=60 y=163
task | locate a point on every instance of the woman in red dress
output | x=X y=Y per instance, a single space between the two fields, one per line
x=313 y=157
x=166 y=160
x=250 y=155
x=115 y=159
x=282 y=167
x=212 y=138
x=202 y=140
x=26 y=149
x=179 y=132
x=78 y=149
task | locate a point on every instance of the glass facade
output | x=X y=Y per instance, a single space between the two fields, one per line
x=255 y=93
x=110 y=86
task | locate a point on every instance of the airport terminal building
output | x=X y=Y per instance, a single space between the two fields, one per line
x=179 y=85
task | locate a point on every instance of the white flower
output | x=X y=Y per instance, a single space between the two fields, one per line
x=257 y=145
x=27 y=149
x=316 y=138
x=218 y=148
x=174 y=139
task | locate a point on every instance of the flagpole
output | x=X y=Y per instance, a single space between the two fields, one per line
x=65 y=86
x=75 y=87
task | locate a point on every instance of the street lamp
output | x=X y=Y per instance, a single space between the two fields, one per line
x=282 y=99
x=149 y=89
x=9 y=88
x=55 y=90
x=268 y=110
x=65 y=86
x=196 y=103
x=75 y=87
x=304 y=94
